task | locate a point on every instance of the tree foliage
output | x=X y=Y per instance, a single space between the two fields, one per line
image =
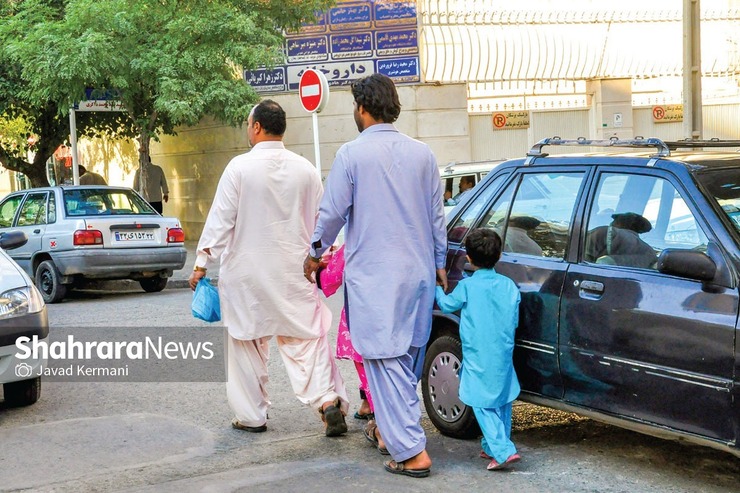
x=173 y=61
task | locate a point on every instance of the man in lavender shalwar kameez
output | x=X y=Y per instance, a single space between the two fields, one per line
x=386 y=187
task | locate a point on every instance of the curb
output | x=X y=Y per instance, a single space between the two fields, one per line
x=129 y=285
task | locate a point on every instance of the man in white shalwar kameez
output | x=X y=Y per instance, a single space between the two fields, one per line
x=259 y=226
x=386 y=187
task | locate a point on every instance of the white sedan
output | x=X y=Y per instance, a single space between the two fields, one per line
x=76 y=233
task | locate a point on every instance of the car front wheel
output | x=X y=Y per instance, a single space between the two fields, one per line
x=440 y=383
x=49 y=282
x=153 y=284
x=23 y=393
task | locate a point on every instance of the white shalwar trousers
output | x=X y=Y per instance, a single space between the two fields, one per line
x=311 y=368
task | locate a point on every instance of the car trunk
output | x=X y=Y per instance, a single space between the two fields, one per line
x=132 y=231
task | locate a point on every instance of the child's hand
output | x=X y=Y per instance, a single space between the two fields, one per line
x=442 y=279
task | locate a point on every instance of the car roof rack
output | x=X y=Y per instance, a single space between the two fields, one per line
x=452 y=164
x=638 y=142
x=693 y=144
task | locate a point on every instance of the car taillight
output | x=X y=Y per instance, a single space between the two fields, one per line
x=175 y=235
x=88 y=237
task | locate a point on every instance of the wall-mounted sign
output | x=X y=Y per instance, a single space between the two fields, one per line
x=508 y=120
x=668 y=113
x=351 y=40
x=617 y=117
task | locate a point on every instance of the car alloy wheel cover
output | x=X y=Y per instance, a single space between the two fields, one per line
x=443 y=383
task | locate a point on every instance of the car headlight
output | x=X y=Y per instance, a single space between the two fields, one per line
x=20 y=301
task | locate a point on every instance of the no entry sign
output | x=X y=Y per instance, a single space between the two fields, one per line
x=313 y=91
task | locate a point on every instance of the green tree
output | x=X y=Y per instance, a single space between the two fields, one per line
x=22 y=114
x=173 y=61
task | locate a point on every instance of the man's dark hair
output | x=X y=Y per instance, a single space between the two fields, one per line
x=468 y=179
x=483 y=246
x=377 y=94
x=271 y=116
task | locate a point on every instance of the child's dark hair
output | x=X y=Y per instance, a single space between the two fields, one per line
x=483 y=246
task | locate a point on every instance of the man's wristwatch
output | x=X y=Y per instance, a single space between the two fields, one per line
x=199 y=269
x=315 y=259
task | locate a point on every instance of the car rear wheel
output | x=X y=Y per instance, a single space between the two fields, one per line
x=49 y=282
x=153 y=284
x=440 y=383
x=23 y=393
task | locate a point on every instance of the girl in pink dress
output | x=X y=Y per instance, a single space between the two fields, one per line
x=329 y=279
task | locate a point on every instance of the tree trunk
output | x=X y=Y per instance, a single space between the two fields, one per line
x=144 y=140
x=35 y=171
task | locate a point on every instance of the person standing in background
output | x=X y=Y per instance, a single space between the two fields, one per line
x=90 y=177
x=156 y=185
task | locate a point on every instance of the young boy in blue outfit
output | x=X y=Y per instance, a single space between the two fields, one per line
x=490 y=314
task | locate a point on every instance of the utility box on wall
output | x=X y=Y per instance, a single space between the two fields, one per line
x=611 y=105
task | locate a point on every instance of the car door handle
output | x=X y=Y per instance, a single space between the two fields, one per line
x=592 y=286
x=36 y=231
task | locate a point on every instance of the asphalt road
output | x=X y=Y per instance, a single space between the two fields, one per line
x=154 y=436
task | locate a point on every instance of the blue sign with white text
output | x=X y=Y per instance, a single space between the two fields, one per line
x=347 y=42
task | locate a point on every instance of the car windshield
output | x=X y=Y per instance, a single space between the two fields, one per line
x=724 y=187
x=104 y=202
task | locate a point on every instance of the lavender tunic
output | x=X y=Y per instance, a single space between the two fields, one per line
x=386 y=187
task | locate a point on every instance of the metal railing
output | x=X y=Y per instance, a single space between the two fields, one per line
x=478 y=41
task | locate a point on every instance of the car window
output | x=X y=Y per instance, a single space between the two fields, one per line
x=455 y=186
x=467 y=219
x=8 y=210
x=541 y=215
x=723 y=187
x=52 y=212
x=634 y=217
x=33 y=210
x=104 y=202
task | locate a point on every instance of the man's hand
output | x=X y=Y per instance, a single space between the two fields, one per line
x=195 y=277
x=166 y=197
x=442 y=278
x=310 y=265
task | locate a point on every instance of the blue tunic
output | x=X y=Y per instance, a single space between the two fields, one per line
x=490 y=314
x=386 y=187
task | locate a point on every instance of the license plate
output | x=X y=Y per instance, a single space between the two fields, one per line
x=133 y=235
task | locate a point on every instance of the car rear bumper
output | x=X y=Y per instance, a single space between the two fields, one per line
x=120 y=263
x=13 y=368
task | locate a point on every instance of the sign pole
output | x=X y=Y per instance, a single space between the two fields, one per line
x=313 y=92
x=73 y=144
x=316 y=147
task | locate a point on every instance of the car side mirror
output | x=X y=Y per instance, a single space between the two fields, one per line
x=13 y=239
x=687 y=263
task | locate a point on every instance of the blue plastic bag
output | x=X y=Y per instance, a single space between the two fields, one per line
x=206 y=305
